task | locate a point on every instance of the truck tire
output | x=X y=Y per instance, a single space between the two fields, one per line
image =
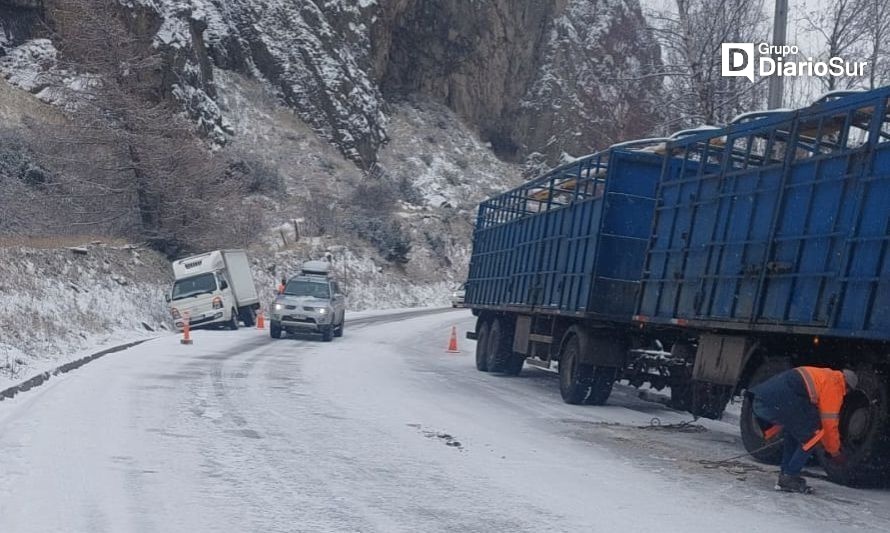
x=514 y=364
x=700 y=398
x=681 y=396
x=248 y=316
x=574 y=377
x=865 y=432
x=327 y=333
x=233 y=322
x=275 y=330
x=500 y=345
x=482 y=345
x=752 y=435
x=601 y=383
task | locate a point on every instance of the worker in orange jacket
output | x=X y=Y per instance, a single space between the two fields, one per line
x=805 y=403
x=282 y=285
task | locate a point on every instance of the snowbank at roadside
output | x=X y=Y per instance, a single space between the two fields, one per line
x=57 y=304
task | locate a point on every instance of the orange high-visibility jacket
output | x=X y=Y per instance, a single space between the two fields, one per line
x=826 y=388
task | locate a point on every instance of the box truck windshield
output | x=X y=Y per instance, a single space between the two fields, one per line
x=193 y=286
x=307 y=288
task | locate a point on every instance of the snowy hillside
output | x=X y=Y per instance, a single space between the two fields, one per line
x=58 y=300
x=337 y=62
x=365 y=131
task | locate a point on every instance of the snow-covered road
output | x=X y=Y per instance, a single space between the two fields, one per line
x=378 y=431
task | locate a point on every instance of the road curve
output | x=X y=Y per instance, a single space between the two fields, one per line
x=378 y=431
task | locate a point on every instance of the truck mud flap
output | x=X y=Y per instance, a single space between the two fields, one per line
x=720 y=359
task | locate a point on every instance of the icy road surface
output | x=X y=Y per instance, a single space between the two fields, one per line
x=378 y=431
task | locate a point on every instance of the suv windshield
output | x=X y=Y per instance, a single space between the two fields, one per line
x=187 y=287
x=315 y=289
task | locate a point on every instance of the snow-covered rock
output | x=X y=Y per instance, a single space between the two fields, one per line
x=527 y=75
x=314 y=54
x=541 y=76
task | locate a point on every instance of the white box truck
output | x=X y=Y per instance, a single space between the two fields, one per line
x=213 y=288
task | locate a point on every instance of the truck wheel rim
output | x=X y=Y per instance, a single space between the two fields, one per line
x=856 y=418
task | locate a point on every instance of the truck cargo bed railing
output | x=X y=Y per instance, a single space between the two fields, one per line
x=777 y=221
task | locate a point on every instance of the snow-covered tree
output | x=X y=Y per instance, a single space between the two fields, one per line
x=133 y=164
x=691 y=33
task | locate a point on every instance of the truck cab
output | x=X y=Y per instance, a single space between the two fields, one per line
x=215 y=288
x=312 y=302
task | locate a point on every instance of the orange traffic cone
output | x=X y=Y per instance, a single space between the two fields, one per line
x=260 y=321
x=186 y=337
x=452 y=343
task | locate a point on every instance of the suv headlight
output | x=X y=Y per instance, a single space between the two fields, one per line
x=277 y=306
x=322 y=310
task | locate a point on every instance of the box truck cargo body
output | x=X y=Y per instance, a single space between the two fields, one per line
x=215 y=288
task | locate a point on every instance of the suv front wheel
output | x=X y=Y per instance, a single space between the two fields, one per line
x=338 y=331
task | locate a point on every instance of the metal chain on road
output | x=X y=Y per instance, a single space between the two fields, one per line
x=733 y=465
x=683 y=427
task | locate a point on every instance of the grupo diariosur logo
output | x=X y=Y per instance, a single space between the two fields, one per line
x=740 y=60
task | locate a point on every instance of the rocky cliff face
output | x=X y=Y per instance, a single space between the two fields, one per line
x=588 y=90
x=478 y=58
x=547 y=76
x=18 y=18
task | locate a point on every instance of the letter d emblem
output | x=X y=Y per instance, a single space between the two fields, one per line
x=737 y=60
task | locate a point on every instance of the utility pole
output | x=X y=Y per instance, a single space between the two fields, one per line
x=780 y=23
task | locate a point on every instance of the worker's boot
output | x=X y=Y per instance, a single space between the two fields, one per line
x=789 y=483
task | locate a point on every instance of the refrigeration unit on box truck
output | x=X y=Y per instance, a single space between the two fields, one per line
x=215 y=288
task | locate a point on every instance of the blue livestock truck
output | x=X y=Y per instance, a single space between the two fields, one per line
x=707 y=263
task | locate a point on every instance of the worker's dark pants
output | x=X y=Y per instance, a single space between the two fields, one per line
x=794 y=457
x=783 y=400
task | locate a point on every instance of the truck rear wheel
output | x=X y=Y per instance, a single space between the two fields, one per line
x=752 y=435
x=500 y=345
x=865 y=432
x=700 y=398
x=583 y=383
x=514 y=364
x=482 y=338
x=574 y=378
x=601 y=383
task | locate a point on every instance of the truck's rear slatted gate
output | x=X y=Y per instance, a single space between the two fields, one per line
x=582 y=229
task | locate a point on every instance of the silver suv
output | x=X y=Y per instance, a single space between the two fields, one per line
x=311 y=302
